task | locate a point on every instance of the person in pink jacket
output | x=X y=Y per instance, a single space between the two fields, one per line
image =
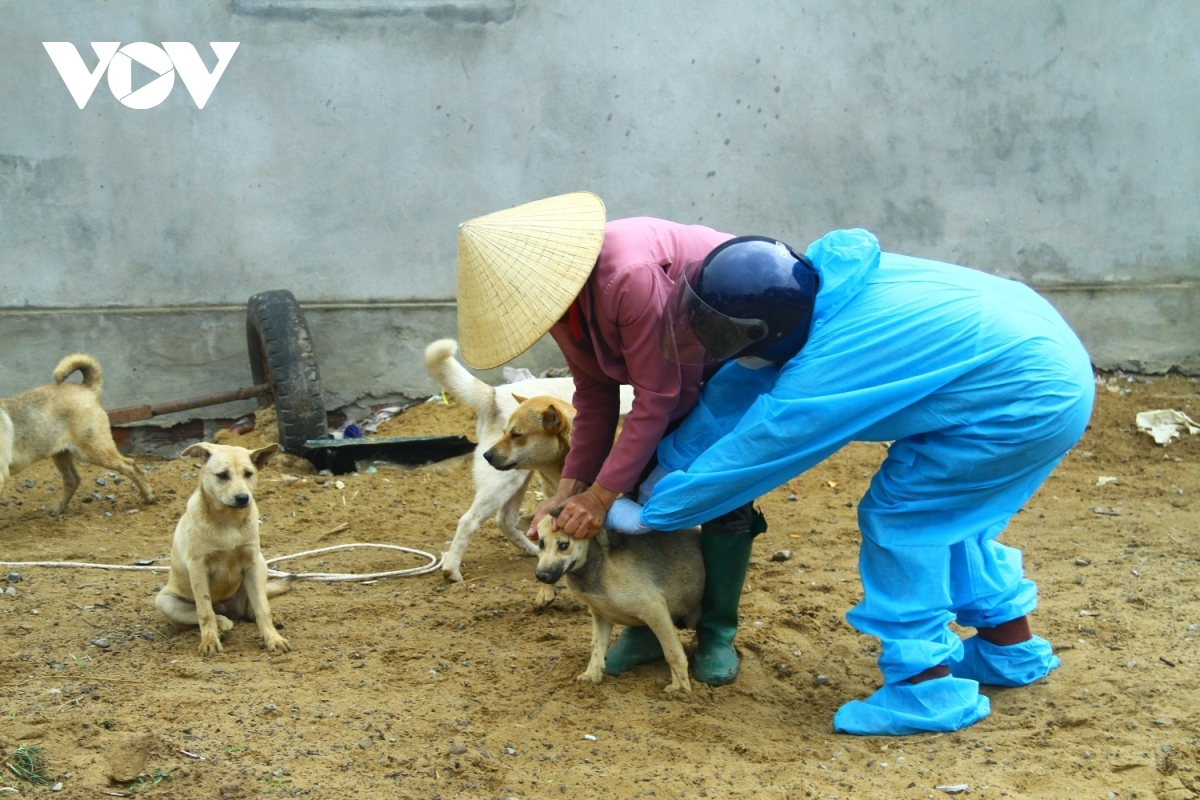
x=610 y=336
x=611 y=282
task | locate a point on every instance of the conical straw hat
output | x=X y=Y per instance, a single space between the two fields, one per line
x=519 y=270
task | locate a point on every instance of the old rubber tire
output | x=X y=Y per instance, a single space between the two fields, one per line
x=281 y=355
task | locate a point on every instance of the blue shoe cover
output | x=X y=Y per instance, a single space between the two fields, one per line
x=1009 y=665
x=897 y=709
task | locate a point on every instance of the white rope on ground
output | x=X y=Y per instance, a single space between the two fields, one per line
x=435 y=563
x=128 y=567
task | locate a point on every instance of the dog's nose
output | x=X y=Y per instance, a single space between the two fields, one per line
x=488 y=456
x=545 y=576
x=241 y=500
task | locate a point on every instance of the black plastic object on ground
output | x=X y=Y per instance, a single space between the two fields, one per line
x=281 y=354
x=339 y=455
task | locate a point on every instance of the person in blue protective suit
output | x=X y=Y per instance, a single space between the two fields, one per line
x=978 y=383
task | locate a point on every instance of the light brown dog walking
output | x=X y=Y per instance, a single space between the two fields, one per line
x=63 y=421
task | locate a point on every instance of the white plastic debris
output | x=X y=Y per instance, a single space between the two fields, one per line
x=957 y=788
x=377 y=418
x=1104 y=480
x=1165 y=424
x=517 y=374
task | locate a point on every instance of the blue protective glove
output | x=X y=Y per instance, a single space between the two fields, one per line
x=625 y=516
x=1009 y=665
x=647 y=487
x=897 y=709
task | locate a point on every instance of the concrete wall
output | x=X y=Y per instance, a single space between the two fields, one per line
x=1049 y=142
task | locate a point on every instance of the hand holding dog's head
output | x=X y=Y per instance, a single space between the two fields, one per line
x=230 y=473
x=559 y=553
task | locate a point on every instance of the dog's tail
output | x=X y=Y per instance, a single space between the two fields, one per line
x=90 y=368
x=462 y=385
x=278 y=586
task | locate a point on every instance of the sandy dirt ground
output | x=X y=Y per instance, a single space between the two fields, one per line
x=412 y=688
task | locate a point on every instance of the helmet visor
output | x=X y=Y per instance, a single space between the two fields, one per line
x=696 y=333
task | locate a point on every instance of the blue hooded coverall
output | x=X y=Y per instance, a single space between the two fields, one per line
x=981 y=387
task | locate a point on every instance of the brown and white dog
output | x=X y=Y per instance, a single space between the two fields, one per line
x=538 y=438
x=518 y=444
x=654 y=579
x=63 y=421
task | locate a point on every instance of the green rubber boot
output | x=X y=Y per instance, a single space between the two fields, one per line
x=636 y=645
x=726 y=548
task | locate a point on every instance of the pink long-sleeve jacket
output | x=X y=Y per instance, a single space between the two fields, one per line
x=616 y=340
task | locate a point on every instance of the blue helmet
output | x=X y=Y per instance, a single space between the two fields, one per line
x=751 y=296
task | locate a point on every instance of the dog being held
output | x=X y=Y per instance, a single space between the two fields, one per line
x=218 y=573
x=540 y=444
x=63 y=421
x=653 y=579
x=537 y=437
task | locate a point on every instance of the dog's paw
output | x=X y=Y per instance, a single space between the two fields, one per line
x=545 y=596
x=450 y=568
x=277 y=643
x=590 y=675
x=224 y=623
x=210 y=644
x=678 y=688
x=149 y=498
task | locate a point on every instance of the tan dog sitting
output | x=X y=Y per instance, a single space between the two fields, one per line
x=63 y=421
x=218 y=573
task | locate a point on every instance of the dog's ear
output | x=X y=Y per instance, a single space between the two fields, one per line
x=552 y=421
x=262 y=455
x=201 y=449
x=519 y=399
x=545 y=527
